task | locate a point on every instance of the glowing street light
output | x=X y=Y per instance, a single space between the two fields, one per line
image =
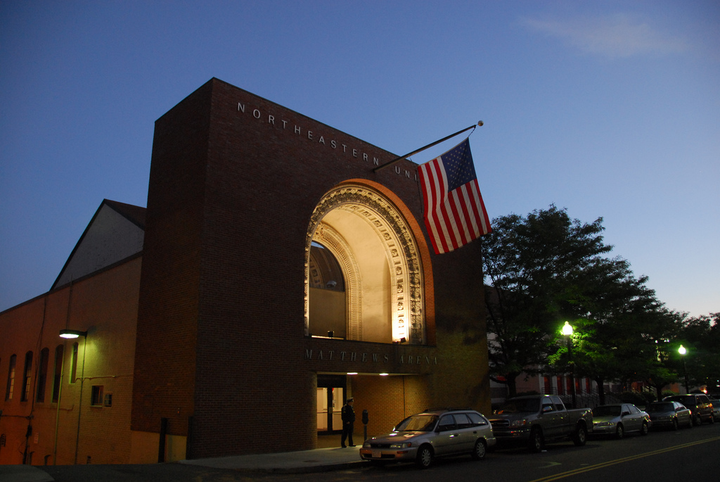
x=567 y=332
x=682 y=350
x=69 y=335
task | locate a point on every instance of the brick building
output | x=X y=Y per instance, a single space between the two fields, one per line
x=278 y=275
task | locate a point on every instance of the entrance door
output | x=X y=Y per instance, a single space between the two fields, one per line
x=330 y=399
x=329 y=407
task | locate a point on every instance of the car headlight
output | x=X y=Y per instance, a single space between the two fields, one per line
x=403 y=445
x=518 y=423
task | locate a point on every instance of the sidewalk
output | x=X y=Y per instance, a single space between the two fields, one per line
x=316 y=460
x=23 y=473
x=298 y=462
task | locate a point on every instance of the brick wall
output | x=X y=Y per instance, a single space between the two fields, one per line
x=104 y=305
x=233 y=183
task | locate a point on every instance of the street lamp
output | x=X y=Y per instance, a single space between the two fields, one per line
x=567 y=332
x=69 y=335
x=682 y=350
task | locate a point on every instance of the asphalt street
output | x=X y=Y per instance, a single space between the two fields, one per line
x=664 y=455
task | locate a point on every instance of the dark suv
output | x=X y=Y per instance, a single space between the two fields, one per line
x=699 y=404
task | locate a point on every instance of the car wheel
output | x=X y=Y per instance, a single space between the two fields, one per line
x=675 y=424
x=480 y=450
x=619 y=431
x=645 y=429
x=424 y=457
x=580 y=435
x=536 y=440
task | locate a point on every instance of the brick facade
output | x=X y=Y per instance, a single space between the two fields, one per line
x=206 y=334
x=234 y=181
x=104 y=305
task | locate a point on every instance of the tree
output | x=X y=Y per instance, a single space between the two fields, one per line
x=701 y=336
x=535 y=267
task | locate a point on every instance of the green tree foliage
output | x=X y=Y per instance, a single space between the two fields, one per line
x=701 y=337
x=546 y=268
x=534 y=266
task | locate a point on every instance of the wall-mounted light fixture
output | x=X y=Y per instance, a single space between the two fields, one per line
x=69 y=334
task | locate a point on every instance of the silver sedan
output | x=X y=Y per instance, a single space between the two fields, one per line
x=619 y=419
x=669 y=415
x=422 y=437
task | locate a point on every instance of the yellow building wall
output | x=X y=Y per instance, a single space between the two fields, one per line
x=104 y=305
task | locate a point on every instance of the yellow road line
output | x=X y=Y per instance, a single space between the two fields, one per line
x=620 y=461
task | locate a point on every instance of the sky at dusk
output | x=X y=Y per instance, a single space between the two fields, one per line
x=606 y=108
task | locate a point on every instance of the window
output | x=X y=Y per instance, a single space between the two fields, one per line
x=447 y=422
x=42 y=375
x=476 y=419
x=11 y=378
x=73 y=368
x=97 y=395
x=462 y=420
x=27 y=377
x=58 y=373
x=548 y=385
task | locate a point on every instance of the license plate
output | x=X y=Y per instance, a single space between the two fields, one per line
x=376 y=454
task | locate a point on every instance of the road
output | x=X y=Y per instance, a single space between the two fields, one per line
x=660 y=456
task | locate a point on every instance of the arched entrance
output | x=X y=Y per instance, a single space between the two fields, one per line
x=363 y=272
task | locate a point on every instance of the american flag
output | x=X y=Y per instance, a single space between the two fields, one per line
x=454 y=210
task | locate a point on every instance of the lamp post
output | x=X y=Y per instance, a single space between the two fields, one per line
x=69 y=335
x=567 y=332
x=682 y=350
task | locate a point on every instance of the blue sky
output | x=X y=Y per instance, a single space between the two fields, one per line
x=609 y=109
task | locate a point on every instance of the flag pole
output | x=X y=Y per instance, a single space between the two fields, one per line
x=388 y=164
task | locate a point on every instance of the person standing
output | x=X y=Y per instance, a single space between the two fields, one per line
x=348 y=421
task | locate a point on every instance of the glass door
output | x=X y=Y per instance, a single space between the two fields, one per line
x=330 y=399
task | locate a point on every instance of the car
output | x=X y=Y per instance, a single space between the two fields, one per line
x=422 y=437
x=669 y=414
x=619 y=419
x=535 y=420
x=698 y=403
x=716 y=408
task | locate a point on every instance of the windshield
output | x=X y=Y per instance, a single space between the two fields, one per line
x=417 y=423
x=520 y=405
x=607 y=411
x=660 y=407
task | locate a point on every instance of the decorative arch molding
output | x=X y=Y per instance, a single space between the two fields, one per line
x=406 y=283
x=339 y=247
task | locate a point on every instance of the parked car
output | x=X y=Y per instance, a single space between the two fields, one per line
x=619 y=419
x=716 y=408
x=669 y=414
x=536 y=419
x=424 y=436
x=698 y=403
